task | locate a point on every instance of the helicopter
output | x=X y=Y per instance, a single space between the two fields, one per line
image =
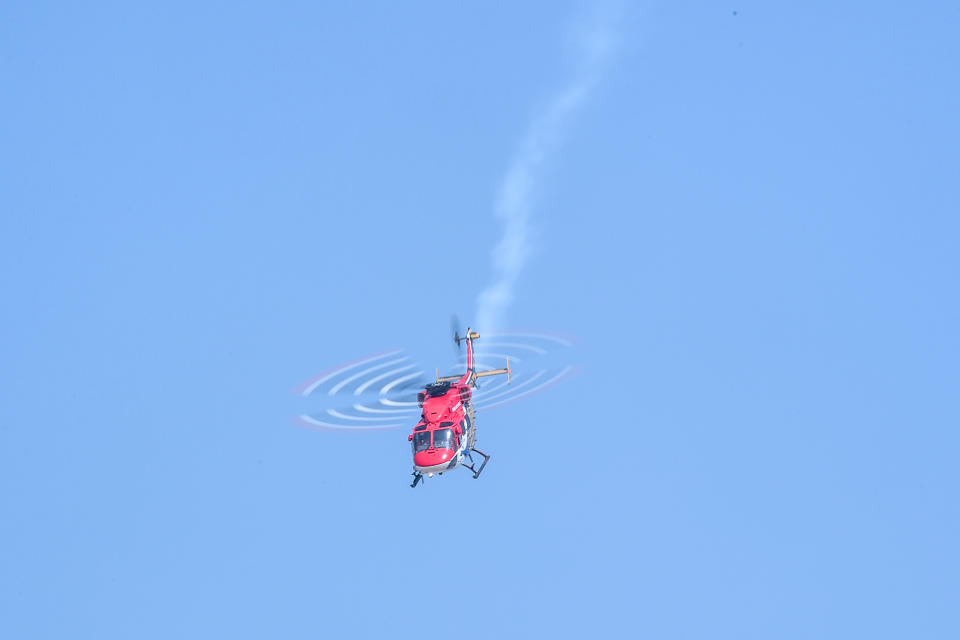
x=445 y=436
x=389 y=391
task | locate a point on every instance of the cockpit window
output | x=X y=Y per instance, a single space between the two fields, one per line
x=421 y=441
x=443 y=439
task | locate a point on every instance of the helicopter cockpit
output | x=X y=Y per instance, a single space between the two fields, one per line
x=441 y=439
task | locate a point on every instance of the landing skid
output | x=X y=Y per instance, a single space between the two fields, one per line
x=418 y=477
x=476 y=472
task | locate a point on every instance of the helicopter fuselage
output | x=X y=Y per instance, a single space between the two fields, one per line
x=445 y=436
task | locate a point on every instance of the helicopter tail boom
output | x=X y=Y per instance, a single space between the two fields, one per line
x=471 y=375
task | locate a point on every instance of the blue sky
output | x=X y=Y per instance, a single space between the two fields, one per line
x=749 y=222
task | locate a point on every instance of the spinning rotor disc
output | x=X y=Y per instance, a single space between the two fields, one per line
x=379 y=392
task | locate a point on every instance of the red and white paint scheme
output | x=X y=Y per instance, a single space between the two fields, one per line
x=446 y=434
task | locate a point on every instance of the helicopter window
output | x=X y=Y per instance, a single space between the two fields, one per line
x=443 y=439
x=446 y=424
x=421 y=441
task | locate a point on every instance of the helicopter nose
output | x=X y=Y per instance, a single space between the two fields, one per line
x=432 y=457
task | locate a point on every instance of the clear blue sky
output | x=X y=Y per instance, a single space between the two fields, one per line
x=750 y=224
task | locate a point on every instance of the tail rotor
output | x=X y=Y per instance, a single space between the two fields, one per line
x=455 y=334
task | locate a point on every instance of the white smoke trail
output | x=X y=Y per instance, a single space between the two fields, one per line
x=594 y=44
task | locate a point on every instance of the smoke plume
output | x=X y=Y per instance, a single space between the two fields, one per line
x=594 y=44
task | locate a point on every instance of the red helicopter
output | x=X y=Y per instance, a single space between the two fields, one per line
x=445 y=436
x=375 y=393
